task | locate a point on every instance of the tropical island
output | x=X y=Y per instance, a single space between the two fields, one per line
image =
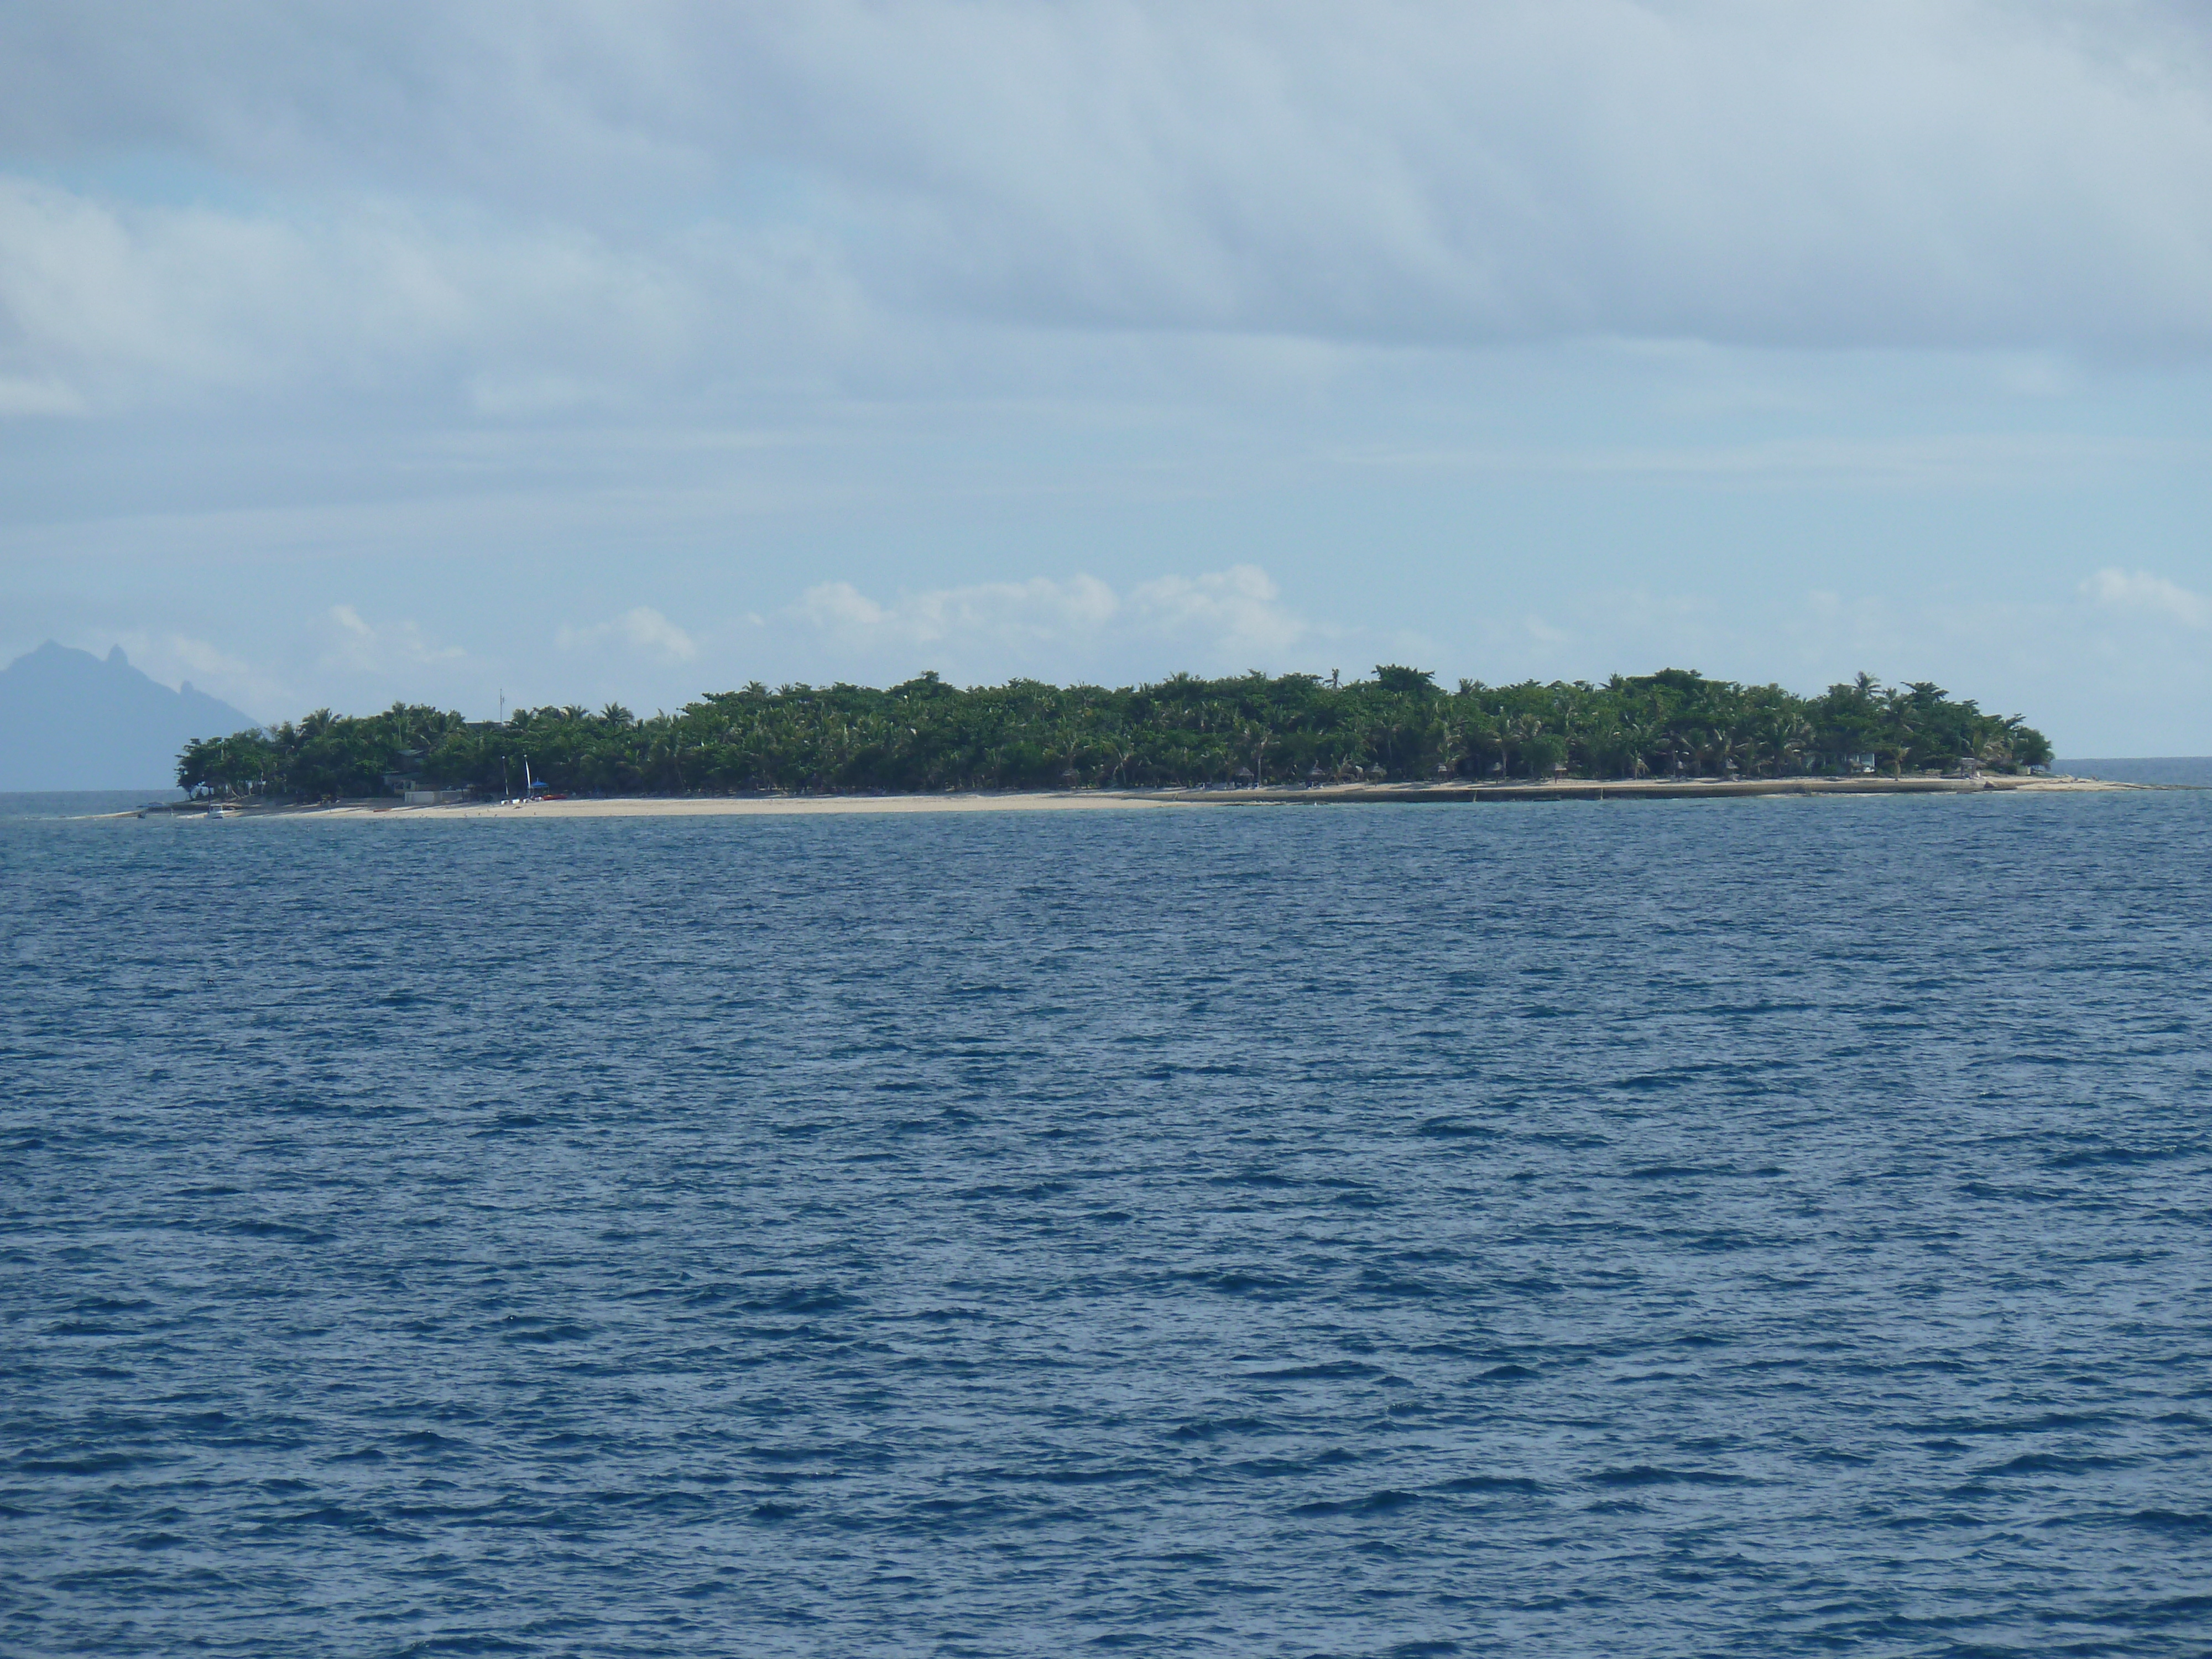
x=1254 y=731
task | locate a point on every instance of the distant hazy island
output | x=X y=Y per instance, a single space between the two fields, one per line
x=926 y=736
x=69 y=719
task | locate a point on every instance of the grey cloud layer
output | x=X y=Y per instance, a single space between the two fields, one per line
x=574 y=199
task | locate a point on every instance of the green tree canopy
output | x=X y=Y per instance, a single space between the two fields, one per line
x=925 y=735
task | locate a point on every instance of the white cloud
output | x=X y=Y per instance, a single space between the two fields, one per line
x=2142 y=594
x=582 y=205
x=356 y=646
x=115 y=304
x=1906 y=171
x=49 y=395
x=1034 y=611
x=1224 y=615
x=643 y=630
x=1237 y=610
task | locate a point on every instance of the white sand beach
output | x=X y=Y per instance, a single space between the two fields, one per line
x=693 y=806
x=1091 y=800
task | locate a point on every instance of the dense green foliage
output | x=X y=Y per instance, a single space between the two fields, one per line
x=927 y=735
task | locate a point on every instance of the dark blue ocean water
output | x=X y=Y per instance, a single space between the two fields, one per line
x=1762 y=1227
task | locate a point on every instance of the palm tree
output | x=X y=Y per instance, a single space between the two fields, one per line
x=1995 y=747
x=1898 y=729
x=1637 y=739
x=1526 y=729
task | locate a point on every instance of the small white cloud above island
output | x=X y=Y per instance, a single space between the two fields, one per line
x=642 y=630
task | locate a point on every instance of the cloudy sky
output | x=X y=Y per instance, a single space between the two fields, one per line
x=575 y=351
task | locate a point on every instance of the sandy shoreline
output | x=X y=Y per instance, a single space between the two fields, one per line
x=1080 y=800
x=696 y=806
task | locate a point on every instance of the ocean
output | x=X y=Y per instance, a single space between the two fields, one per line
x=1760 y=1227
x=78 y=803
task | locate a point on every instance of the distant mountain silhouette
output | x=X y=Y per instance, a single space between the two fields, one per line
x=70 y=720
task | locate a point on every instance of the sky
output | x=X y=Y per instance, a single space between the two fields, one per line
x=487 y=354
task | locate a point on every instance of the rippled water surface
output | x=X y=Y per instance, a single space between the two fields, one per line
x=1759 y=1227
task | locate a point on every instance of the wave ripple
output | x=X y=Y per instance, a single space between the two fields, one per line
x=1625 y=1229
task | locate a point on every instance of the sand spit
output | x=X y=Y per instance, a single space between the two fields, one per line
x=1083 y=800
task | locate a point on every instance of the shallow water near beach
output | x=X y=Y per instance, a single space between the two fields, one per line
x=1751 y=1227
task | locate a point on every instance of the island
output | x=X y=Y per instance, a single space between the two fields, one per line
x=1396 y=732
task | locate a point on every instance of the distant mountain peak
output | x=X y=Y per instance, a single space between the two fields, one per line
x=71 y=720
